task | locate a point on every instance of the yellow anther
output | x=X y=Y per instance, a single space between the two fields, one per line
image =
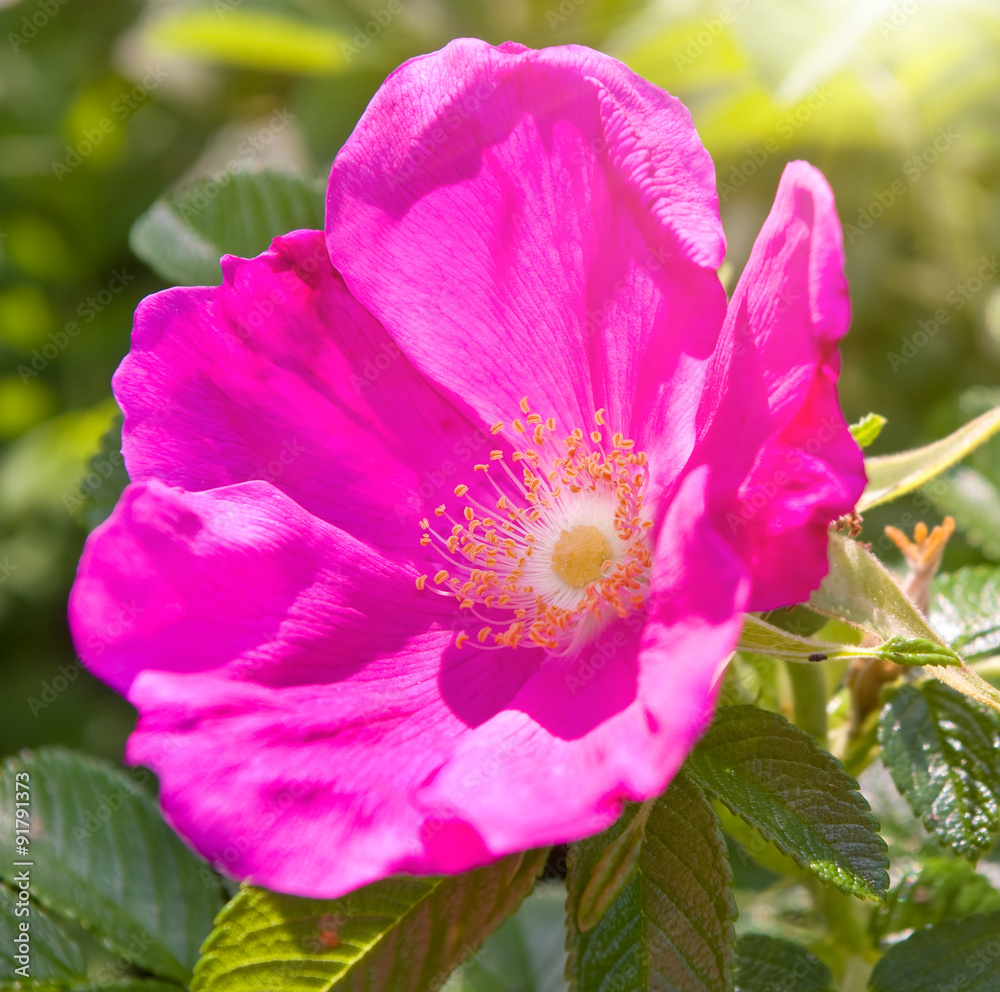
x=525 y=405
x=497 y=427
x=425 y=524
x=461 y=490
x=599 y=417
x=496 y=455
x=461 y=639
x=480 y=468
x=483 y=634
x=425 y=539
x=439 y=510
x=421 y=582
x=440 y=577
x=518 y=426
x=595 y=436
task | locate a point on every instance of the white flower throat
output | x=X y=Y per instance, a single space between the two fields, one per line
x=562 y=550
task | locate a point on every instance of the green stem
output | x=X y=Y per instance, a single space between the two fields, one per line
x=809 y=698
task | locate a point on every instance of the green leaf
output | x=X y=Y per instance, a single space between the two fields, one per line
x=892 y=476
x=915 y=651
x=943 y=752
x=257 y=40
x=761 y=637
x=103 y=856
x=942 y=889
x=957 y=954
x=974 y=503
x=867 y=429
x=860 y=591
x=55 y=959
x=966 y=609
x=527 y=953
x=772 y=775
x=765 y=964
x=62 y=956
x=104 y=481
x=405 y=933
x=612 y=871
x=183 y=236
x=671 y=925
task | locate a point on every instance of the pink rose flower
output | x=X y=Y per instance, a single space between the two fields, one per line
x=443 y=520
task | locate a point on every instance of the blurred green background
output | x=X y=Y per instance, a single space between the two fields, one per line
x=104 y=107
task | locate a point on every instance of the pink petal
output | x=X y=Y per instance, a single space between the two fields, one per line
x=785 y=462
x=242 y=582
x=540 y=223
x=314 y=727
x=586 y=733
x=279 y=374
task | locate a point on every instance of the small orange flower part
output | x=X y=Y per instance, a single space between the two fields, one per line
x=923 y=556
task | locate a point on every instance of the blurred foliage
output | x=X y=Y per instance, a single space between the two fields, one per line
x=106 y=107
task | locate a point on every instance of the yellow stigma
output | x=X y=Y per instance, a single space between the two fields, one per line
x=579 y=554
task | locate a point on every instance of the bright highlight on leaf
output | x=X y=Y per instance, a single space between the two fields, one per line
x=867 y=429
x=405 y=934
x=255 y=40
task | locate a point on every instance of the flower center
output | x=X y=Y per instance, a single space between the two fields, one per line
x=579 y=555
x=561 y=550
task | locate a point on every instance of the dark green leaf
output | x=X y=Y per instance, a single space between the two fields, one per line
x=867 y=429
x=955 y=955
x=966 y=609
x=671 y=925
x=184 y=235
x=773 y=776
x=943 y=752
x=105 y=480
x=613 y=869
x=405 y=933
x=767 y=964
x=62 y=955
x=527 y=953
x=942 y=889
x=55 y=959
x=104 y=857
